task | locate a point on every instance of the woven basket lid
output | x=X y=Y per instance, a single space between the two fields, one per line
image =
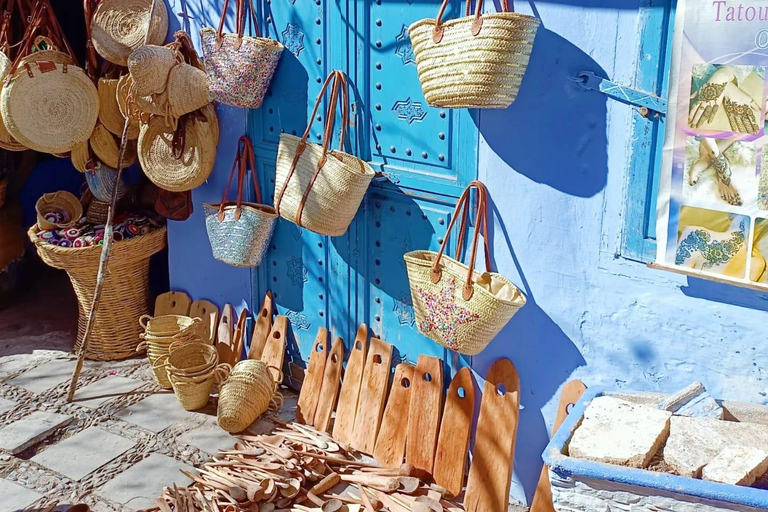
x=196 y=162
x=120 y=26
x=188 y=89
x=107 y=149
x=150 y=66
x=7 y=141
x=50 y=107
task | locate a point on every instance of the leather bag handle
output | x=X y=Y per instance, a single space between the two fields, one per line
x=481 y=223
x=239 y=21
x=477 y=24
x=244 y=160
x=338 y=92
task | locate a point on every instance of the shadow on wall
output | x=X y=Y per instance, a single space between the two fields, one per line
x=555 y=132
x=725 y=293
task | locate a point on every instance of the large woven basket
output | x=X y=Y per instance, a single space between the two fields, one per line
x=120 y=26
x=156 y=152
x=316 y=188
x=239 y=67
x=475 y=61
x=49 y=107
x=455 y=305
x=247 y=394
x=124 y=297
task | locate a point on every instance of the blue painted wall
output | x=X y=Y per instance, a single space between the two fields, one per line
x=556 y=166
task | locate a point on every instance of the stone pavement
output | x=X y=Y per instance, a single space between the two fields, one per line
x=114 y=447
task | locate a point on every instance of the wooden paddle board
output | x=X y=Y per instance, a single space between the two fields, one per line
x=262 y=328
x=329 y=390
x=274 y=350
x=172 y=303
x=424 y=414
x=313 y=379
x=346 y=409
x=226 y=332
x=455 y=429
x=493 y=456
x=572 y=391
x=373 y=390
x=208 y=312
x=390 y=443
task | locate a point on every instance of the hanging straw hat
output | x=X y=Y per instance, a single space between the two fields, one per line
x=107 y=149
x=188 y=90
x=50 y=107
x=156 y=153
x=109 y=110
x=150 y=66
x=120 y=26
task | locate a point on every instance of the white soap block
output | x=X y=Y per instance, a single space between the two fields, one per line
x=737 y=465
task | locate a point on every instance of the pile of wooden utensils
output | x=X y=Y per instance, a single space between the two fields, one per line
x=300 y=469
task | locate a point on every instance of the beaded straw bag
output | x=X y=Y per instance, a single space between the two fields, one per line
x=239 y=67
x=455 y=305
x=240 y=232
x=318 y=188
x=474 y=61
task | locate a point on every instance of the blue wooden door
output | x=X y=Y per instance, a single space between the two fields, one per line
x=426 y=157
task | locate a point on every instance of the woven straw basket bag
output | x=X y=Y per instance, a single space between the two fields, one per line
x=455 y=305
x=182 y=159
x=187 y=90
x=240 y=232
x=315 y=188
x=120 y=26
x=474 y=61
x=240 y=68
x=247 y=394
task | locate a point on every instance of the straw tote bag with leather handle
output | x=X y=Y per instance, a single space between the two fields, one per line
x=240 y=232
x=239 y=67
x=315 y=188
x=47 y=106
x=475 y=61
x=455 y=305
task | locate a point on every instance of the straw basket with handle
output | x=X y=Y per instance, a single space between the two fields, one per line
x=247 y=394
x=240 y=68
x=475 y=61
x=63 y=205
x=240 y=232
x=455 y=305
x=318 y=188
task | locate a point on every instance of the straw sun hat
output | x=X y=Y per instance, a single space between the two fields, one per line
x=120 y=26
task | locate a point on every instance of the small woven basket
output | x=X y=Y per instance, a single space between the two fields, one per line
x=49 y=107
x=316 y=188
x=169 y=325
x=150 y=66
x=124 y=296
x=101 y=182
x=182 y=331
x=120 y=26
x=97 y=212
x=156 y=152
x=193 y=392
x=247 y=394
x=475 y=61
x=63 y=203
x=187 y=90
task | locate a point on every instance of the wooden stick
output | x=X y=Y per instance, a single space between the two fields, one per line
x=106 y=250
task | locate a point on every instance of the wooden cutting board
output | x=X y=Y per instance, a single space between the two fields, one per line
x=346 y=409
x=424 y=414
x=493 y=457
x=172 y=303
x=455 y=430
x=262 y=328
x=209 y=313
x=330 y=388
x=313 y=379
x=373 y=390
x=390 y=443
x=274 y=350
x=572 y=391
x=225 y=333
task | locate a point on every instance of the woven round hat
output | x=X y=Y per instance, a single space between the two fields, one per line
x=50 y=107
x=150 y=66
x=109 y=110
x=107 y=149
x=7 y=141
x=163 y=168
x=64 y=204
x=120 y=26
x=187 y=89
x=139 y=107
